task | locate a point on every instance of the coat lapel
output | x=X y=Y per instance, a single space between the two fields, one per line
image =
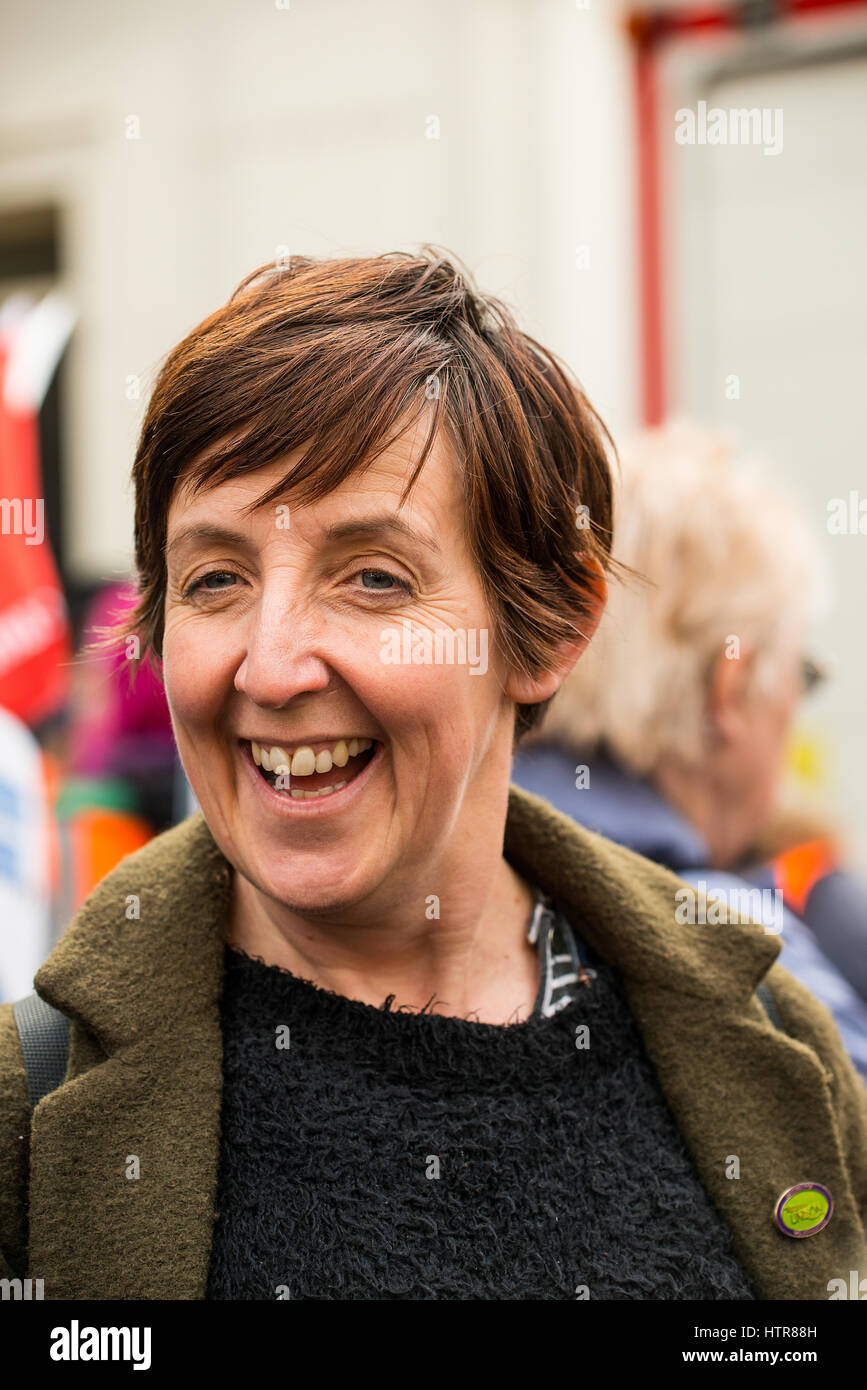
x=125 y=1154
x=748 y=1099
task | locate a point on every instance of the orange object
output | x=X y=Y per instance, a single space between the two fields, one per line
x=91 y=842
x=798 y=870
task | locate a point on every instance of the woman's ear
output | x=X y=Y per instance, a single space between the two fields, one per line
x=531 y=690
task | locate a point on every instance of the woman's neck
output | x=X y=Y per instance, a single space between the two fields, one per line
x=467 y=951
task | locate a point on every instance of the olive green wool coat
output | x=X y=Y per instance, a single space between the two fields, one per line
x=145 y=1070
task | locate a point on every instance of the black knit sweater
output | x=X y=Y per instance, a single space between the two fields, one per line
x=401 y=1155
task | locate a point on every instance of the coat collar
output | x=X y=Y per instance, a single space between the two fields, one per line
x=148 y=942
x=141 y=970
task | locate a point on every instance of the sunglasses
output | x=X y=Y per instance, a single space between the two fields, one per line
x=812 y=674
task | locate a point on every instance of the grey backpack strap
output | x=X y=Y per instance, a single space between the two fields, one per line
x=44 y=1034
x=770 y=1005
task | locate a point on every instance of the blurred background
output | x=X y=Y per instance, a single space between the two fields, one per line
x=151 y=156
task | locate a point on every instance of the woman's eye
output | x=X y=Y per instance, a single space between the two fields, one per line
x=213 y=582
x=389 y=578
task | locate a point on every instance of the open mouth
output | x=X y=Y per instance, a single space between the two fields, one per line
x=311 y=770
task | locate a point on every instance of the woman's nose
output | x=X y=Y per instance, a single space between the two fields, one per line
x=281 y=660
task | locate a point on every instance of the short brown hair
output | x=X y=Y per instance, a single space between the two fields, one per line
x=304 y=346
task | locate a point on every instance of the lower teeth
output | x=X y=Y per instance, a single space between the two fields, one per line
x=307 y=796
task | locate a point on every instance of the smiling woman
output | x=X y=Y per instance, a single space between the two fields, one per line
x=273 y=635
x=389 y=1027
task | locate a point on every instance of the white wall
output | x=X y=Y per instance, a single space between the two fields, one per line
x=770 y=286
x=306 y=126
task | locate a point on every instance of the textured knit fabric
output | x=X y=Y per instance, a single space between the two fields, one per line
x=145 y=1071
x=410 y=1155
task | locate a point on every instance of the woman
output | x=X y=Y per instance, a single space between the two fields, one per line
x=376 y=1024
x=681 y=712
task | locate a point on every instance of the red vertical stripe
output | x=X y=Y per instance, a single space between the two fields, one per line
x=650 y=251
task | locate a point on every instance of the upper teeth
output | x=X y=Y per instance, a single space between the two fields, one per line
x=304 y=762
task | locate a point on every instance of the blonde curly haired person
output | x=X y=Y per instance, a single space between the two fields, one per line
x=681 y=709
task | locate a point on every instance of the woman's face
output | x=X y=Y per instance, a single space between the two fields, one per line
x=276 y=625
x=758 y=738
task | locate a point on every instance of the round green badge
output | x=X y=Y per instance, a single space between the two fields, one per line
x=804 y=1209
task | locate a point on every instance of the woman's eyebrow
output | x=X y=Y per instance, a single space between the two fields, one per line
x=370 y=528
x=207 y=531
x=376 y=527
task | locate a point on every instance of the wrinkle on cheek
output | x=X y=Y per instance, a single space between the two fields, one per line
x=449 y=608
x=190 y=632
x=178 y=620
x=442 y=726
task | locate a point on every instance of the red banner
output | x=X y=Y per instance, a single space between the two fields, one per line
x=34 y=629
